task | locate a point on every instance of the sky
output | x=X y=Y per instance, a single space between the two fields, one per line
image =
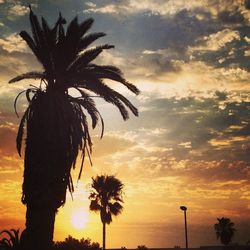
x=190 y=144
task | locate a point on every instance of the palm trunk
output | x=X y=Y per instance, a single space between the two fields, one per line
x=104 y=236
x=39 y=230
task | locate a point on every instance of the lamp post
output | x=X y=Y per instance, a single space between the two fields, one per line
x=183 y=208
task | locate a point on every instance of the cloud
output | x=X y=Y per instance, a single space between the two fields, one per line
x=214 y=127
x=231 y=51
x=159 y=7
x=8 y=139
x=18 y=9
x=15 y=57
x=113 y=8
x=218 y=40
x=227 y=11
x=212 y=31
x=111 y=144
x=181 y=147
x=13 y=43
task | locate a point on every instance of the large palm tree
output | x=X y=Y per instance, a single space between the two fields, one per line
x=56 y=121
x=106 y=198
x=224 y=230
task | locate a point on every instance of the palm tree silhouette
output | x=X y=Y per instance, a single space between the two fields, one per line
x=11 y=241
x=56 y=121
x=224 y=230
x=106 y=198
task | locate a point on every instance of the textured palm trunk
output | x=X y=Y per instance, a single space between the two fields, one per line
x=103 y=236
x=46 y=170
x=39 y=230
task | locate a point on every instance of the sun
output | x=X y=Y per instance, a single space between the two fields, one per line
x=79 y=218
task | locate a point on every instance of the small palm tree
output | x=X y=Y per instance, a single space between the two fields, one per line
x=56 y=121
x=106 y=198
x=224 y=230
x=11 y=241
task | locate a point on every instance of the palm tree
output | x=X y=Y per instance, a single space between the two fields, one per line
x=11 y=241
x=56 y=121
x=106 y=198
x=224 y=230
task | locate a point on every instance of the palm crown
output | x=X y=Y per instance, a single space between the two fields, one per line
x=224 y=230
x=106 y=197
x=57 y=126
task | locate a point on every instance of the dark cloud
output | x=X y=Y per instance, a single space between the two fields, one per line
x=231 y=56
x=221 y=171
x=221 y=95
x=231 y=17
x=157 y=63
x=16 y=63
x=247 y=4
x=214 y=128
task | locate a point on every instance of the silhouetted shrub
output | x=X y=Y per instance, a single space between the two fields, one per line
x=11 y=240
x=142 y=247
x=71 y=243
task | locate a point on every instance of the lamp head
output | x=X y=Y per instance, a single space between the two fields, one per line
x=183 y=208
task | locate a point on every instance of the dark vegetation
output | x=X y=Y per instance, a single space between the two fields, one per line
x=71 y=243
x=142 y=247
x=10 y=239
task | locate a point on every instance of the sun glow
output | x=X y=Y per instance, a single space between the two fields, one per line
x=79 y=218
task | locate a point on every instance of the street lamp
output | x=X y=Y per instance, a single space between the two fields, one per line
x=183 y=208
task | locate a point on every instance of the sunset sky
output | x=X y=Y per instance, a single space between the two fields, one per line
x=190 y=144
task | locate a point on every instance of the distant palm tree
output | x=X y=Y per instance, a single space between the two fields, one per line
x=224 y=230
x=106 y=198
x=56 y=121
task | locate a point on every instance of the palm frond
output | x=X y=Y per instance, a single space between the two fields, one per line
x=73 y=28
x=85 y=26
x=28 y=39
x=111 y=96
x=88 y=39
x=61 y=31
x=108 y=72
x=29 y=75
x=36 y=29
x=87 y=56
x=94 y=206
x=19 y=137
x=5 y=243
x=115 y=208
x=15 y=101
x=13 y=240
